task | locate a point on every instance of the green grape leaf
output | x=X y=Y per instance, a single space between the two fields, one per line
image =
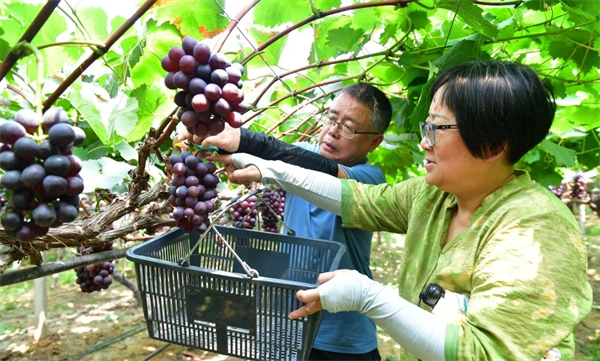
x=344 y=38
x=123 y=118
x=87 y=104
x=149 y=100
x=271 y=13
x=273 y=52
x=199 y=19
x=159 y=40
x=95 y=21
x=419 y=19
x=471 y=15
x=564 y=157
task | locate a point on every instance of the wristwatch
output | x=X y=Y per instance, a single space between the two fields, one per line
x=431 y=295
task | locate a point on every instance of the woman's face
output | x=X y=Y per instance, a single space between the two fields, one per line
x=449 y=164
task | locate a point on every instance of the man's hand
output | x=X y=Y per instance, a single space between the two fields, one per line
x=312 y=297
x=228 y=139
x=236 y=175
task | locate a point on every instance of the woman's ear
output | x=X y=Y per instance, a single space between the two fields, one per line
x=491 y=156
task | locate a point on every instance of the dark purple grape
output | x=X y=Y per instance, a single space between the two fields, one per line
x=23 y=198
x=210 y=180
x=197 y=86
x=74 y=201
x=26 y=233
x=188 y=44
x=234 y=119
x=203 y=117
x=33 y=175
x=239 y=67
x=179 y=169
x=229 y=92
x=191 y=162
x=181 y=80
x=200 y=208
x=61 y=134
x=211 y=167
x=212 y=91
x=200 y=103
x=203 y=71
x=218 y=61
x=175 y=54
x=234 y=75
x=240 y=108
x=54 y=186
x=169 y=80
x=9 y=161
x=44 y=215
x=53 y=116
x=187 y=64
x=178 y=213
x=191 y=181
x=179 y=98
x=168 y=65
x=74 y=186
x=57 y=165
x=191 y=201
x=46 y=149
x=12 y=180
x=193 y=191
x=201 y=129
x=219 y=77
x=11 y=221
x=11 y=131
x=28 y=119
x=79 y=136
x=65 y=212
x=75 y=165
x=201 y=53
x=188 y=212
x=222 y=108
x=189 y=118
x=181 y=191
x=174 y=159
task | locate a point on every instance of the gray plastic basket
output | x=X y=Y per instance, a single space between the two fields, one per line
x=212 y=304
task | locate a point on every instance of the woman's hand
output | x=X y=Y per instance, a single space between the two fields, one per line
x=236 y=175
x=312 y=297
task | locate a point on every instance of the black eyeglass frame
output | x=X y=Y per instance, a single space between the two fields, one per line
x=326 y=118
x=432 y=128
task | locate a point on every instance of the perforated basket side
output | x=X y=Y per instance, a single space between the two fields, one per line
x=217 y=309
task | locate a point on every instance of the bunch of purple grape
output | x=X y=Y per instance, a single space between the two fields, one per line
x=41 y=172
x=210 y=86
x=557 y=191
x=243 y=214
x=192 y=190
x=276 y=201
x=95 y=277
x=580 y=187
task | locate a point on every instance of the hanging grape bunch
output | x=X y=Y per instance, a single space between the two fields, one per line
x=95 y=277
x=580 y=188
x=557 y=191
x=275 y=199
x=210 y=86
x=243 y=214
x=191 y=192
x=41 y=173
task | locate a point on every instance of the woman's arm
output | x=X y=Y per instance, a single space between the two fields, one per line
x=418 y=331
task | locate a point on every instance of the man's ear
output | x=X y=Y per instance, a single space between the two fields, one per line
x=376 y=141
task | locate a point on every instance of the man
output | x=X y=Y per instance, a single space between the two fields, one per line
x=353 y=127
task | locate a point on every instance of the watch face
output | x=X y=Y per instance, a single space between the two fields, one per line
x=432 y=294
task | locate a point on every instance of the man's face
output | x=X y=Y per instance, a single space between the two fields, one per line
x=348 y=111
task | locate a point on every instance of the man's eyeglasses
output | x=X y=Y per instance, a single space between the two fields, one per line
x=428 y=131
x=345 y=131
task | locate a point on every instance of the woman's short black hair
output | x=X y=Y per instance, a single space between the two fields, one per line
x=498 y=106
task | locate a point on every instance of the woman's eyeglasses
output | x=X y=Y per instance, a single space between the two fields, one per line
x=428 y=131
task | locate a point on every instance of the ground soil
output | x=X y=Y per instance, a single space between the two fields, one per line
x=108 y=325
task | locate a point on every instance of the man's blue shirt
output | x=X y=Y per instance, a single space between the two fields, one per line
x=343 y=332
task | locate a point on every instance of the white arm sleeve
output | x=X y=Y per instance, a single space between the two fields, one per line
x=318 y=188
x=418 y=331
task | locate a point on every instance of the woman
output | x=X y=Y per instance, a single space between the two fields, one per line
x=474 y=225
